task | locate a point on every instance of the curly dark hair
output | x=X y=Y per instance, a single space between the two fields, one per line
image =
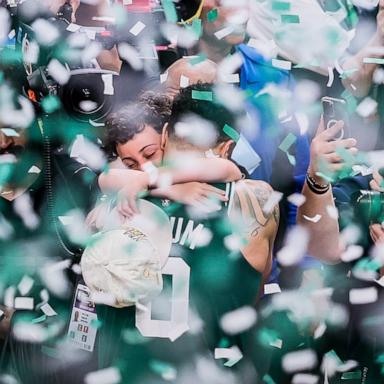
x=151 y=109
x=187 y=103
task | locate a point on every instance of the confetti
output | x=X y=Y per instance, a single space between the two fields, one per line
x=363 y=295
x=286 y=144
x=290 y=19
x=282 y=64
x=238 y=321
x=25 y=285
x=367 y=107
x=104 y=376
x=58 y=71
x=305 y=378
x=24 y=303
x=137 y=28
x=296 y=199
x=232 y=354
x=271 y=288
x=224 y=32
x=48 y=310
x=299 y=360
x=184 y=81
x=108 y=84
x=212 y=15
x=202 y=95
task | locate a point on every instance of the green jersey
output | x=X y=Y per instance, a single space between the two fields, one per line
x=208 y=277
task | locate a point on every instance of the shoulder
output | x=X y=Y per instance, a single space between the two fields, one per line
x=253 y=199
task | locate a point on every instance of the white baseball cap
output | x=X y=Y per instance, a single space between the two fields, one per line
x=125 y=259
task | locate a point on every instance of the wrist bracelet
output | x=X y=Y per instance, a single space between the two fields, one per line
x=318 y=189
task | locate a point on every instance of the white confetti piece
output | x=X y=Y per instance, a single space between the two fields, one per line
x=108 y=84
x=282 y=64
x=2 y=313
x=24 y=303
x=73 y=27
x=363 y=295
x=44 y=295
x=278 y=343
x=163 y=77
x=4 y=24
x=232 y=354
x=331 y=77
x=314 y=219
x=24 y=208
x=303 y=121
x=380 y=281
x=224 y=32
x=10 y=132
x=367 y=107
x=267 y=48
x=305 y=378
x=137 y=28
x=295 y=247
x=45 y=32
x=6 y=228
x=238 y=320
x=319 y=331
x=48 y=310
x=127 y=2
x=184 y=81
x=272 y=201
x=9 y=296
x=232 y=78
x=34 y=169
x=296 y=199
x=131 y=56
x=58 y=71
x=332 y=211
x=271 y=288
x=299 y=360
x=86 y=152
x=104 y=376
x=25 y=285
x=353 y=252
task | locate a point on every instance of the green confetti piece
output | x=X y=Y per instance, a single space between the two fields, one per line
x=290 y=19
x=170 y=11
x=286 y=144
x=288 y=141
x=202 y=95
x=50 y=104
x=268 y=379
x=351 y=375
x=351 y=101
x=196 y=27
x=332 y=354
x=224 y=343
x=161 y=368
x=373 y=60
x=134 y=337
x=39 y=319
x=197 y=59
x=231 y=132
x=281 y=6
x=96 y=323
x=212 y=15
x=267 y=336
x=380 y=359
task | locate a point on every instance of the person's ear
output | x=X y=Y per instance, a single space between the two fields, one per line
x=164 y=137
x=225 y=149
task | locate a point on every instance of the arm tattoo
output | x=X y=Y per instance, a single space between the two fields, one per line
x=249 y=200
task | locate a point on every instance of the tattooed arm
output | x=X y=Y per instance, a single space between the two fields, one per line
x=260 y=227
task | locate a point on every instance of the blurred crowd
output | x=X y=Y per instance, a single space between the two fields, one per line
x=191 y=191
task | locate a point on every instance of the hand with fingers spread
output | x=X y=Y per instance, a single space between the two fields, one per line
x=324 y=149
x=199 y=195
x=127 y=196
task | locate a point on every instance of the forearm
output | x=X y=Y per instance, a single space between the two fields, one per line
x=324 y=234
x=360 y=80
x=205 y=170
x=202 y=170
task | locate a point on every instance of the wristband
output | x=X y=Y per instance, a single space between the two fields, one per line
x=318 y=189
